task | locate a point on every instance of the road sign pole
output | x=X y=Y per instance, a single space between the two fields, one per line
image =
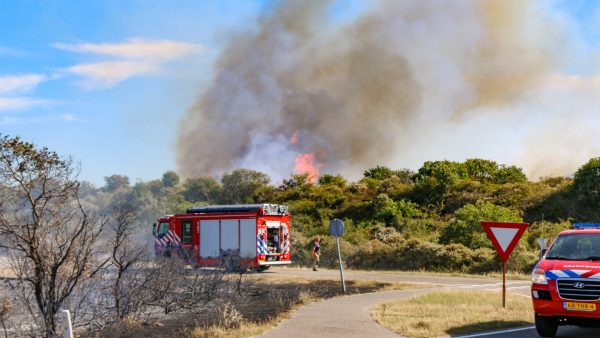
x=337 y=240
x=504 y=284
x=504 y=237
x=336 y=228
x=68 y=325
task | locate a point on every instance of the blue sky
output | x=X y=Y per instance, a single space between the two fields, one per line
x=108 y=82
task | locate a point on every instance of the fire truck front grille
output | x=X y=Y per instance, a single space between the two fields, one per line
x=578 y=288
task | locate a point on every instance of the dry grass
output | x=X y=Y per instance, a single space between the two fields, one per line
x=246 y=329
x=352 y=286
x=451 y=313
x=268 y=300
x=288 y=294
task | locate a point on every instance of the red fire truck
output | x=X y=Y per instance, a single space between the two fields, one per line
x=566 y=281
x=255 y=235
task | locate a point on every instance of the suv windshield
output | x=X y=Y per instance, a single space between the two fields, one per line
x=576 y=247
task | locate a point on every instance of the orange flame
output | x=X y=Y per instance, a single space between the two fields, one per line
x=305 y=164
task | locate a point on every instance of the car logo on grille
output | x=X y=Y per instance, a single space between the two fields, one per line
x=579 y=285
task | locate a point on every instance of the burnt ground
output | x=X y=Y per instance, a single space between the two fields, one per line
x=265 y=297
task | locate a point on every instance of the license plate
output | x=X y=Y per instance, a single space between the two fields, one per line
x=579 y=306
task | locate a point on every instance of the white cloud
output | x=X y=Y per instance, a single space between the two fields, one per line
x=19 y=103
x=10 y=51
x=17 y=84
x=13 y=120
x=107 y=74
x=132 y=58
x=70 y=118
x=136 y=49
x=11 y=86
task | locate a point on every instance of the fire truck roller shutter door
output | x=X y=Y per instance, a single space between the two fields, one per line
x=209 y=239
x=229 y=234
x=248 y=238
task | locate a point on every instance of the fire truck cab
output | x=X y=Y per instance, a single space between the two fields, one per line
x=566 y=281
x=254 y=235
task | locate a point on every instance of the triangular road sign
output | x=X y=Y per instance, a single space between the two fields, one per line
x=504 y=236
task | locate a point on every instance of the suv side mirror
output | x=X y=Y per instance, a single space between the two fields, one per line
x=543 y=252
x=154 y=229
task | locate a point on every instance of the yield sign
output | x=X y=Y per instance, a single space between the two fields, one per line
x=504 y=236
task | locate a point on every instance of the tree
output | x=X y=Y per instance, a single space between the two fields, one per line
x=466 y=229
x=43 y=228
x=385 y=209
x=446 y=172
x=175 y=288
x=393 y=213
x=174 y=203
x=241 y=185
x=115 y=182
x=335 y=180
x=128 y=258
x=587 y=178
x=170 y=179
x=435 y=180
x=382 y=173
x=510 y=174
x=481 y=170
x=201 y=189
x=378 y=173
x=486 y=171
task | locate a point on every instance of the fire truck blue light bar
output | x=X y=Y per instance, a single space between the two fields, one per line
x=586 y=226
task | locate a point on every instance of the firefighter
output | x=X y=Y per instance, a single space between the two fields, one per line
x=316 y=252
x=168 y=248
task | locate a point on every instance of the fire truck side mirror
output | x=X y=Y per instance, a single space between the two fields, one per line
x=154 y=229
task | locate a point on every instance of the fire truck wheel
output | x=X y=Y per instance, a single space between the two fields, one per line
x=263 y=268
x=546 y=326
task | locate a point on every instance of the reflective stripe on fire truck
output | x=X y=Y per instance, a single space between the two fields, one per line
x=170 y=236
x=261 y=246
x=286 y=246
x=554 y=274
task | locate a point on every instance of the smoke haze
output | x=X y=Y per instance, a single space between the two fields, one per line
x=402 y=83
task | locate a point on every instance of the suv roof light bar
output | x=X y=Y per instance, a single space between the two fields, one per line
x=586 y=225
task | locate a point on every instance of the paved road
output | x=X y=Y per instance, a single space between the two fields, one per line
x=563 y=332
x=349 y=316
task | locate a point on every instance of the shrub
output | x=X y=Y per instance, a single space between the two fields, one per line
x=415 y=254
x=466 y=229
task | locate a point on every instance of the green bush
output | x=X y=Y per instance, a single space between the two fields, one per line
x=415 y=254
x=466 y=229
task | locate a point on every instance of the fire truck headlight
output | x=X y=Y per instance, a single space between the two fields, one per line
x=538 y=276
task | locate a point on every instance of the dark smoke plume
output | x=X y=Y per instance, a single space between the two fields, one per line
x=358 y=94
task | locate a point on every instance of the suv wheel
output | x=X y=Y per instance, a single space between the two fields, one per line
x=546 y=326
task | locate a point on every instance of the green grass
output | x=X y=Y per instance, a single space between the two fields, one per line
x=452 y=313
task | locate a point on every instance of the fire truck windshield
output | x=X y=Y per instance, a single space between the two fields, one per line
x=576 y=247
x=163 y=228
